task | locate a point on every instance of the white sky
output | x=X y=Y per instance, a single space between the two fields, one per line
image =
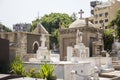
x=21 y=11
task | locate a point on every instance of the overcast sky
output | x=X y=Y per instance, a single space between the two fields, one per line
x=25 y=11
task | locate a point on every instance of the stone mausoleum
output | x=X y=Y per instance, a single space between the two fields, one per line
x=25 y=44
x=92 y=37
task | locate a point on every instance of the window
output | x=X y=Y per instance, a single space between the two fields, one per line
x=103 y=15
x=96 y=16
x=95 y=9
x=101 y=21
x=106 y=14
x=105 y=27
x=106 y=20
x=100 y=15
x=96 y=22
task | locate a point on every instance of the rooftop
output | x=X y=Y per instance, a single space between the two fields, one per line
x=80 y=23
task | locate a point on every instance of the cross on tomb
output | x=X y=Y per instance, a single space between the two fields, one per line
x=81 y=12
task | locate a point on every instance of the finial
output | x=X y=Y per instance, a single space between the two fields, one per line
x=81 y=12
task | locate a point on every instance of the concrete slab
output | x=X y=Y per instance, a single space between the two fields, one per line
x=104 y=79
x=25 y=78
x=4 y=76
x=28 y=78
x=113 y=73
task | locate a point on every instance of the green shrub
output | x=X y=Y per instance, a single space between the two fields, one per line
x=47 y=70
x=32 y=73
x=39 y=75
x=18 y=66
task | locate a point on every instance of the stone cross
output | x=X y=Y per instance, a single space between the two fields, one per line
x=43 y=39
x=81 y=12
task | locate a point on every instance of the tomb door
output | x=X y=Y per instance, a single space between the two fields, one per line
x=67 y=42
x=92 y=39
x=99 y=49
x=35 y=48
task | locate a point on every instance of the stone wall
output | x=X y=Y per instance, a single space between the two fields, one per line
x=21 y=43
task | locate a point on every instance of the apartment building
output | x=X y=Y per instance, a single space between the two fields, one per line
x=103 y=12
x=24 y=27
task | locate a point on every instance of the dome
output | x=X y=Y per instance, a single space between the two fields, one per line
x=80 y=23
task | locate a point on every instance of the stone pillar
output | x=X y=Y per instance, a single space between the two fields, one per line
x=69 y=53
x=86 y=20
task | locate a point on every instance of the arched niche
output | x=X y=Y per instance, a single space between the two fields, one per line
x=35 y=47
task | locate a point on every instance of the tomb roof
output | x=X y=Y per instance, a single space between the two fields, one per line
x=81 y=23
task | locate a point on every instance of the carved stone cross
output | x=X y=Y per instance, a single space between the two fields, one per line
x=81 y=12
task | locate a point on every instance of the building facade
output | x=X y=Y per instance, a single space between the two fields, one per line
x=21 y=27
x=103 y=12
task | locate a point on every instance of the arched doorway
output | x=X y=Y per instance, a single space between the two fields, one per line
x=35 y=46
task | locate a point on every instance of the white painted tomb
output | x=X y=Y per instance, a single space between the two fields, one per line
x=42 y=52
x=54 y=58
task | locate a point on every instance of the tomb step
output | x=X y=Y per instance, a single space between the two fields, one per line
x=116 y=62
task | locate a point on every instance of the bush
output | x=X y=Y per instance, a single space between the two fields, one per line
x=32 y=73
x=108 y=39
x=18 y=66
x=47 y=70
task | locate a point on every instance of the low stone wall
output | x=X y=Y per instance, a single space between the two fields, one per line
x=27 y=56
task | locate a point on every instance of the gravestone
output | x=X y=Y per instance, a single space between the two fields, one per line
x=42 y=52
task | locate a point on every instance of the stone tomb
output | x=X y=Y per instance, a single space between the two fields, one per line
x=63 y=69
x=42 y=52
x=92 y=37
x=79 y=50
